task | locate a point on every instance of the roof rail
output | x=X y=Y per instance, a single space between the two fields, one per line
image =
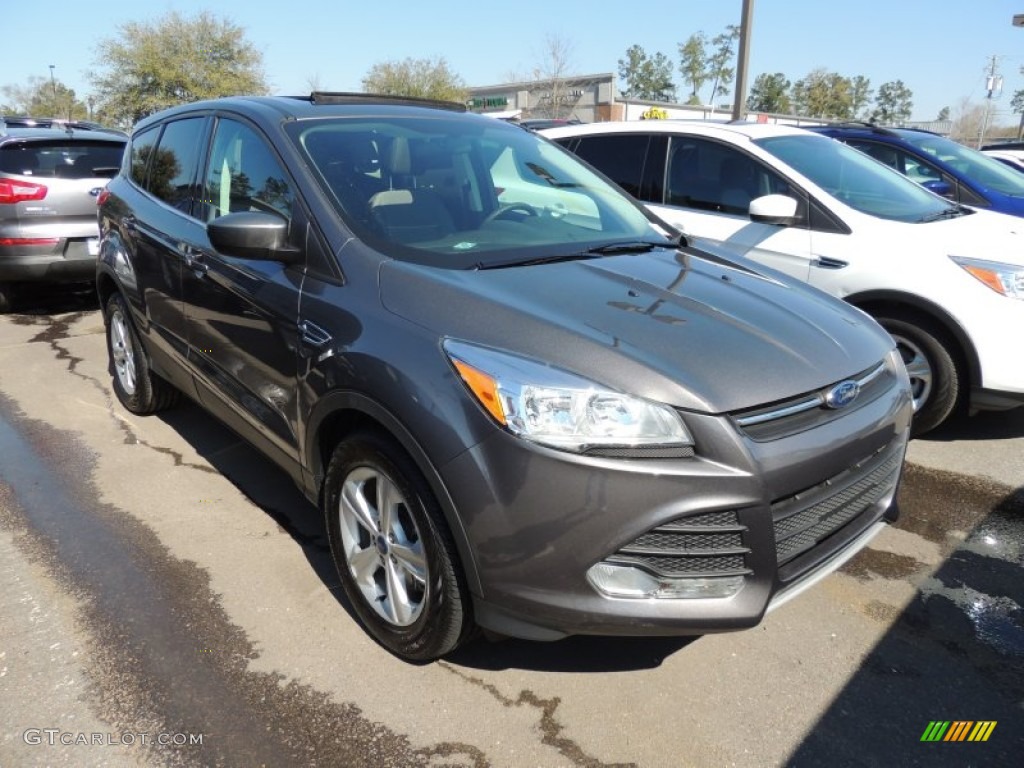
x=342 y=97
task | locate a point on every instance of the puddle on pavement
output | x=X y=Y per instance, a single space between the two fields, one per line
x=163 y=655
x=973 y=602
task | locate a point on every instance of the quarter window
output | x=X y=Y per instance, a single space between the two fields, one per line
x=138 y=158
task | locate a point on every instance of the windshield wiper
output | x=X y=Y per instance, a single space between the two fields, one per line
x=636 y=246
x=946 y=213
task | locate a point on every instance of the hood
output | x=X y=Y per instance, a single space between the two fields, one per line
x=701 y=333
x=980 y=235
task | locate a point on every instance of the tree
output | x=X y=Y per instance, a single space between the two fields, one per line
x=893 y=104
x=44 y=97
x=719 y=71
x=645 y=77
x=1017 y=105
x=860 y=95
x=174 y=60
x=693 y=64
x=944 y=112
x=550 y=74
x=823 y=94
x=420 y=78
x=967 y=122
x=770 y=93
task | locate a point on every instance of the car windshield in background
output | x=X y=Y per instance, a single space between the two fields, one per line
x=462 y=194
x=969 y=163
x=64 y=160
x=856 y=179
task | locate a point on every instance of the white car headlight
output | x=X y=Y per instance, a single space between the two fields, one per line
x=559 y=409
x=1004 y=279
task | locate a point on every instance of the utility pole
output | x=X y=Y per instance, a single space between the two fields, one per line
x=53 y=83
x=993 y=84
x=739 y=106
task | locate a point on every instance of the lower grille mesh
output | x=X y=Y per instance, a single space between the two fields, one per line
x=709 y=544
x=802 y=521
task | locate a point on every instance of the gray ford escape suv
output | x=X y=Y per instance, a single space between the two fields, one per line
x=518 y=400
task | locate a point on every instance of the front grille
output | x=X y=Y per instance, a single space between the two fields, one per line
x=805 y=520
x=709 y=544
x=807 y=411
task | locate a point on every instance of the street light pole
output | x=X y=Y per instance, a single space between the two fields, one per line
x=53 y=83
x=739 y=106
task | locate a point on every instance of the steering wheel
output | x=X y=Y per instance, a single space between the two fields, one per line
x=504 y=210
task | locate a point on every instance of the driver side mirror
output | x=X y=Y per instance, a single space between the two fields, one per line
x=939 y=187
x=253 y=235
x=773 y=209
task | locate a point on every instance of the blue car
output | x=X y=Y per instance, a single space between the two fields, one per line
x=947 y=168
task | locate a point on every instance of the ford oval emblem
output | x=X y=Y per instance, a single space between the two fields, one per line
x=842 y=394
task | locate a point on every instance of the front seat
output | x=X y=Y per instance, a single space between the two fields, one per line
x=405 y=213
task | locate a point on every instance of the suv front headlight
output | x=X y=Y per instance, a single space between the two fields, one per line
x=562 y=410
x=1004 y=279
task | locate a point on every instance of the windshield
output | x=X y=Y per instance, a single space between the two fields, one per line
x=969 y=163
x=855 y=179
x=461 y=191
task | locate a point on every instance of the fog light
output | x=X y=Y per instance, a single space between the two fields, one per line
x=626 y=581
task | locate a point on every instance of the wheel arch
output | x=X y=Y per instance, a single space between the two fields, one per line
x=877 y=303
x=339 y=414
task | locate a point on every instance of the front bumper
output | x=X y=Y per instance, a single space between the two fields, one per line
x=537 y=520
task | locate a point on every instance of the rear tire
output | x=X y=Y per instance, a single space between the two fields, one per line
x=931 y=360
x=137 y=388
x=6 y=298
x=393 y=550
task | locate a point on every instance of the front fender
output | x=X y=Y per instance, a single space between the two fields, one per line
x=342 y=412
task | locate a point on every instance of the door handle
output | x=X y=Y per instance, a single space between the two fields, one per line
x=824 y=262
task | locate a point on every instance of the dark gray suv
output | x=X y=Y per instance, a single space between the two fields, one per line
x=518 y=399
x=49 y=181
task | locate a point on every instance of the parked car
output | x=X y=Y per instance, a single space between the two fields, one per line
x=945 y=280
x=26 y=121
x=961 y=174
x=49 y=181
x=1012 y=158
x=536 y=417
x=539 y=123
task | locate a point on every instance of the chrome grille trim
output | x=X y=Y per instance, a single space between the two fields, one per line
x=814 y=401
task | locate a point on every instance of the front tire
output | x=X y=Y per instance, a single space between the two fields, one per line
x=393 y=550
x=137 y=388
x=935 y=377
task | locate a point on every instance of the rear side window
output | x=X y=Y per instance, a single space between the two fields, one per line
x=62 y=159
x=619 y=157
x=172 y=168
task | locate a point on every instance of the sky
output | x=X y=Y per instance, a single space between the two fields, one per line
x=941 y=49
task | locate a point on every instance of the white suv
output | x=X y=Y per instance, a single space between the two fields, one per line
x=945 y=280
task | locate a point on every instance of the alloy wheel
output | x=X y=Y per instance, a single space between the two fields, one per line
x=382 y=546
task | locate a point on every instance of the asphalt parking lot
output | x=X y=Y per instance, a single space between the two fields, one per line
x=167 y=595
